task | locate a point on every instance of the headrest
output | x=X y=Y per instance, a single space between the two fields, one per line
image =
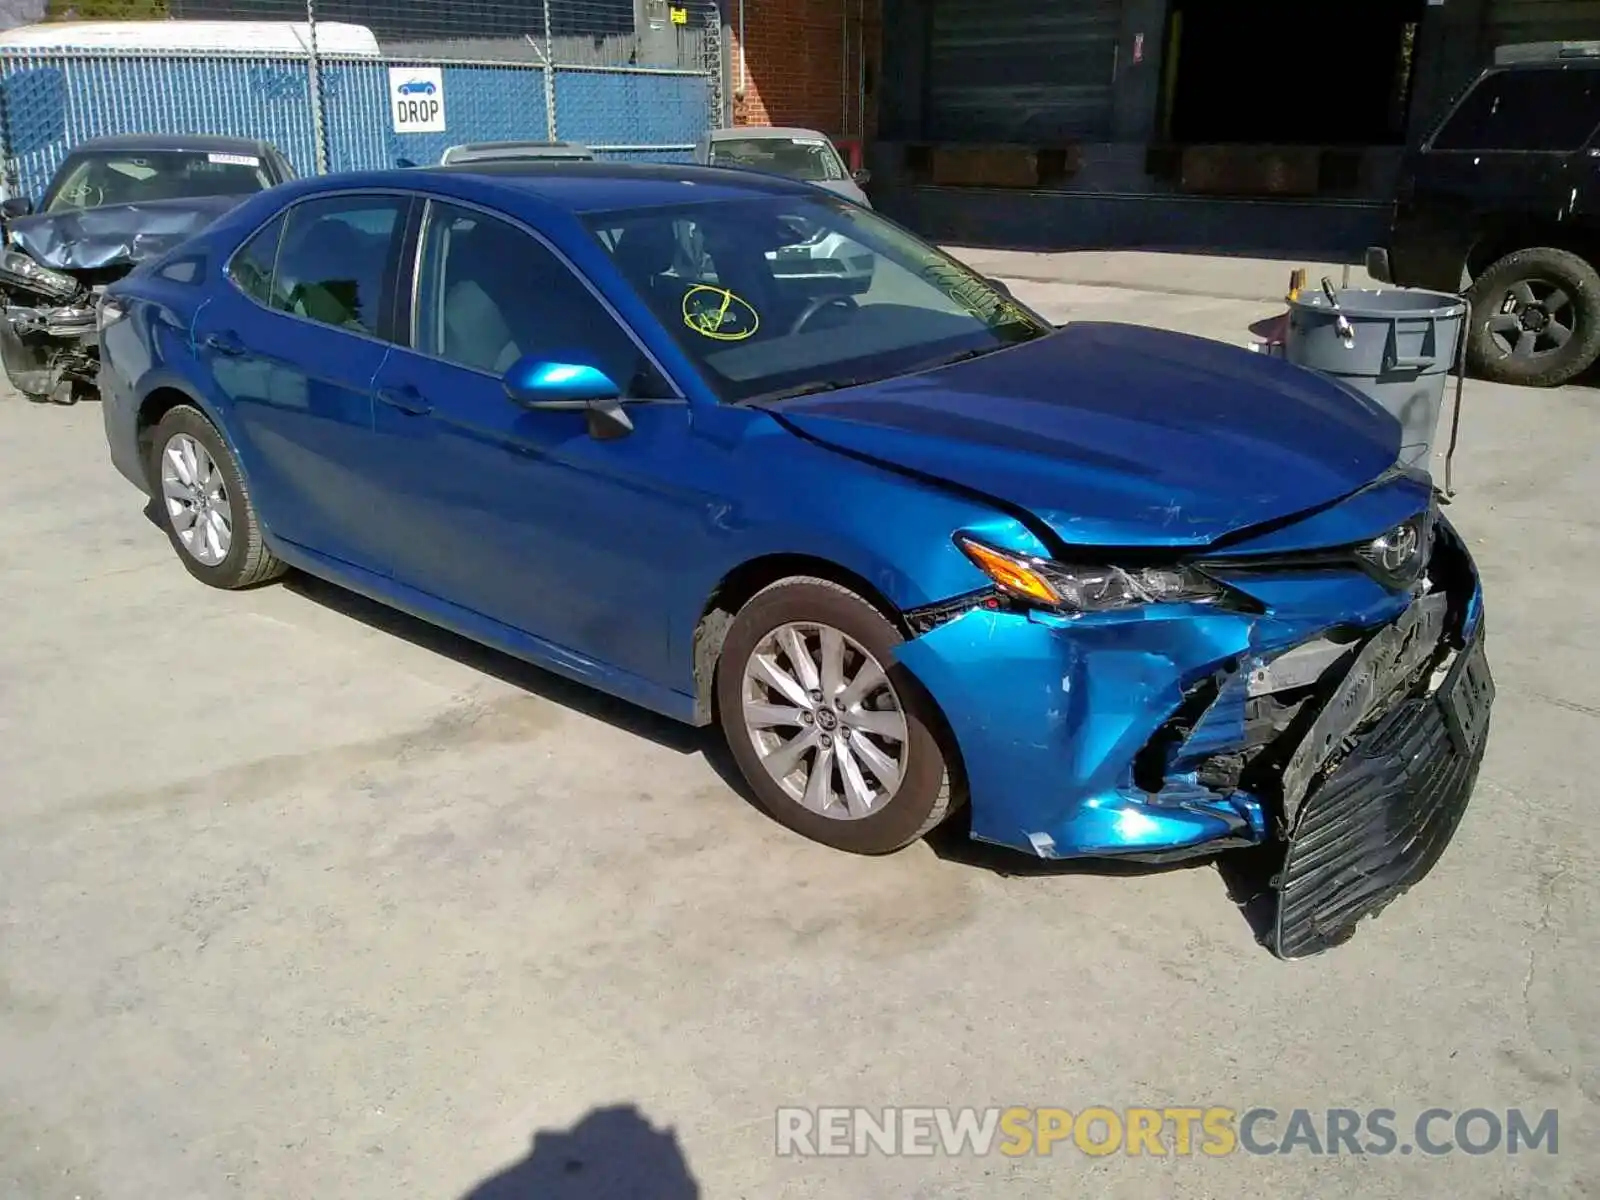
x=327 y=244
x=647 y=249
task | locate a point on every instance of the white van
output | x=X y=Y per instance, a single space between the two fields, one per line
x=250 y=37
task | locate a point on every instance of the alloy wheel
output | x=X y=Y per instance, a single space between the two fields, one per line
x=825 y=720
x=196 y=500
x=1535 y=318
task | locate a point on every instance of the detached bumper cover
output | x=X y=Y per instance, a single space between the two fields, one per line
x=1184 y=731
x=1379 y=823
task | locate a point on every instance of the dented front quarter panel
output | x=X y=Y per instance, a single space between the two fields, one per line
x=1050 y=712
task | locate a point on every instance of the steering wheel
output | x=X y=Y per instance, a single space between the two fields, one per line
x=87 y=195
x=818 y=304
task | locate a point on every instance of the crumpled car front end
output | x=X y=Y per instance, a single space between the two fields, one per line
x=52 y=270
x=1332 y=700
x=47 y=333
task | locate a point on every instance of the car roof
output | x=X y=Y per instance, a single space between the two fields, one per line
x=758 y=132
x=599 y=185
x=169 y=141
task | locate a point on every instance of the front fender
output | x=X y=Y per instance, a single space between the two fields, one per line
x=792 y=506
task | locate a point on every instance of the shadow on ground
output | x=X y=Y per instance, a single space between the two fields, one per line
x=1245 y=874
x=612 y=1154
x=580 y=698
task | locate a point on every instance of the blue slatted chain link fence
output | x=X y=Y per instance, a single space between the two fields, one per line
x=50 y=100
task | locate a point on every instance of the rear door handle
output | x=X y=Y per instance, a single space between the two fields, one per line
x=225 y=342
x=407 y=399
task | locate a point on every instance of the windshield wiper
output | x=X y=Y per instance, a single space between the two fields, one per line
x=949 y=360
x=833 y=385
x=965 y=355
x=802 y=389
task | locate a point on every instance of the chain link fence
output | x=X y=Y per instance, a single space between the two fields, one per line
x=323 y=79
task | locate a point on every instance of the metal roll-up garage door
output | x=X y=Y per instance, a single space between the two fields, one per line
x=1514 y=21
x=1021 y=70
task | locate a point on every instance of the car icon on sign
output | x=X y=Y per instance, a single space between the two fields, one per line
x=417 y=87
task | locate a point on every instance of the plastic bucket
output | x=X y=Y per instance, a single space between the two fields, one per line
x=1396 y=345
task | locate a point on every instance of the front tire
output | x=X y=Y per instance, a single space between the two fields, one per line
x=205 y=504
x=835 y=741
x=1535 y=319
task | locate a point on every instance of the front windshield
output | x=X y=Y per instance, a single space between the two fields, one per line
x=794 y=293
x=140 y=176
x=811 y=159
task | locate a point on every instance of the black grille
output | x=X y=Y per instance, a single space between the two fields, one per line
x=1374 y=828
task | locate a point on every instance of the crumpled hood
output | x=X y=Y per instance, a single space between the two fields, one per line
x=115 y=235
x=1118 y=435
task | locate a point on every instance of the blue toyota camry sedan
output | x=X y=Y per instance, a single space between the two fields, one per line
x=1124 y=592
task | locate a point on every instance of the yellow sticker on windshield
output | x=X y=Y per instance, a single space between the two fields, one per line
x=717 y=313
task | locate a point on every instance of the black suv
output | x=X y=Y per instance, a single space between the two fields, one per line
x=1502 y=201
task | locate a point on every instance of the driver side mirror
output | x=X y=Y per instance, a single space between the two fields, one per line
x=542 y=385
x=862 y=176
x=16 y=206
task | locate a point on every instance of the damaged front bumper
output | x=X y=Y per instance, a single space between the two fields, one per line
x=48 y=334
x=48 y=349
x=1344 y=719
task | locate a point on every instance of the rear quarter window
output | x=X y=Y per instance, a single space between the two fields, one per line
x=1546 y=109
x=184 y=270
x=254 y=263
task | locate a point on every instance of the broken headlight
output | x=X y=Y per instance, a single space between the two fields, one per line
x=1398 y=557
x=1086 y=588
x=18 y=266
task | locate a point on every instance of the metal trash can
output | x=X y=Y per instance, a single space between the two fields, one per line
x=1397 y=345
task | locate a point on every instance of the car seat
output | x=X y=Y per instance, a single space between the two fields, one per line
x=476 y=330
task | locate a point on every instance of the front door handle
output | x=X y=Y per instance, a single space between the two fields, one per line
x=226 y=342
x=407 y=399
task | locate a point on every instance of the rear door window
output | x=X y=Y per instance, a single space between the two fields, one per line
x=1544 y=109
x=338 y=260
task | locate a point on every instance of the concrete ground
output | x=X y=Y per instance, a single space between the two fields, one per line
x=299 y=898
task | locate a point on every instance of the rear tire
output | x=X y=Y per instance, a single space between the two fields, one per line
x=205 y=504
x=861 y=731
x=1521 y=305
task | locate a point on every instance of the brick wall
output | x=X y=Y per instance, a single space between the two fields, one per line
x=796 y=66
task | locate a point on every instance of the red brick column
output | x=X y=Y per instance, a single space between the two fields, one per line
x=795 y=69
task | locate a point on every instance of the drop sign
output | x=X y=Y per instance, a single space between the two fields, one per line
x=416 y=98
